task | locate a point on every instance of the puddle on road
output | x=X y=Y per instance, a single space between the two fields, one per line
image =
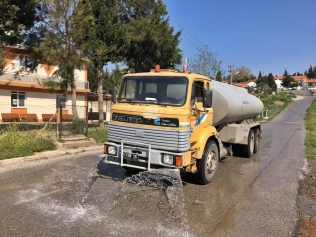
x=148 y=202
x=162 y=178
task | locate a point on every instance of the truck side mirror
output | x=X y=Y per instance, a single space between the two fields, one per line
x=113 y=94
x=207 y=99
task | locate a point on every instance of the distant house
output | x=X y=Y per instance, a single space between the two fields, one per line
x=305 y=82
x=250 y=83
x=278 y=82
x=311 y=83
x=241 y=84
x=22 y=92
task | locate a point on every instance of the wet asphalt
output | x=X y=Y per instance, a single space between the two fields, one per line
x=65 y=196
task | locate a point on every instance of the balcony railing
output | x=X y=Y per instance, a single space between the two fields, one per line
x=35 y=79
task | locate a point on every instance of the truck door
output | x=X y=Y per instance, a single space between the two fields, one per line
x=199 y=118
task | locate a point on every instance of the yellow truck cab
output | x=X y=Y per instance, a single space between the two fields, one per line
x=167 y=119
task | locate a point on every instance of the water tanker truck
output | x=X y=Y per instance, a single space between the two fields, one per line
x=167 y=119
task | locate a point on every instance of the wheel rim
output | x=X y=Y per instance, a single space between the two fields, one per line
x=211 y=164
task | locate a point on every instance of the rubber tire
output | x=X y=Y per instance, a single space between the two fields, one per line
x=236 y=150
x=257 y=140
x=205 y=173
x=247 y=150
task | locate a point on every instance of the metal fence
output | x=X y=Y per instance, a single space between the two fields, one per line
x=69 y=121
x=268 y=112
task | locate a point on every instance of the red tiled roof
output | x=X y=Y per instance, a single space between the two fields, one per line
x=311 y=81
x=296 y=78
x=240 y=84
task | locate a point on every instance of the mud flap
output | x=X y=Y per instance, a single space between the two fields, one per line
x=222 y=150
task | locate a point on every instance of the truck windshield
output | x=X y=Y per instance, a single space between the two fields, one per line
x=161 y=90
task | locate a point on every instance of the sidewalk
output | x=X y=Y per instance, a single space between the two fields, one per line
x=47 y=154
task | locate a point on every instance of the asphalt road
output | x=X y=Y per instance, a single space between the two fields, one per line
x=61 y=196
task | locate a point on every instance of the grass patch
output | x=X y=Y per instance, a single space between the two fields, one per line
x=269 y=101
x=98 y=134
x=310 y=140
x=17 y=144
x=279 y=110
x=280 y=100
x=308 y=224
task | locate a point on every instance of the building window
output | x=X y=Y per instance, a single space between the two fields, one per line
x=17 y=99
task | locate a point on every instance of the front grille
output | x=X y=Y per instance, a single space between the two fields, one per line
x=169 y=140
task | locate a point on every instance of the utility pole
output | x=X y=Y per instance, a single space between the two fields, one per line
x=231 y=75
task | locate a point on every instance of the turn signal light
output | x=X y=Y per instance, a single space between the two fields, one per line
x=179 y=161
x=104 y=149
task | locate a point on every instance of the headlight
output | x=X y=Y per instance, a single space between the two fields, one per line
x=112 y=150
x=168 y=159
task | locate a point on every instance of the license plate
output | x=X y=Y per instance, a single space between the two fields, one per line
x=130 y=155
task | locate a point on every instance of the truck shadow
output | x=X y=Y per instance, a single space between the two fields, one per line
x=110 y=171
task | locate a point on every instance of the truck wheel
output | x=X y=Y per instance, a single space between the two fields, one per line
x=236 y=150
x=207 y=166
x=248 y=149
x=257 y=140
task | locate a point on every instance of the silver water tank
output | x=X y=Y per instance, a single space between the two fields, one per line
x=232 y=104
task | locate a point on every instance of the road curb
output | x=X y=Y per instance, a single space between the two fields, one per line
x=48 y=154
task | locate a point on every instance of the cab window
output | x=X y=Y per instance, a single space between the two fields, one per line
x=197 y=92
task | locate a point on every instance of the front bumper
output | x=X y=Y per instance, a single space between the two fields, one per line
x=140 y=156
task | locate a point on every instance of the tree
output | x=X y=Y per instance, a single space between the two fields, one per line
x=263 y=88
x=206 y=63
x=295 y=84
x=271 y=82
x=262 y=80
x=285 y=74
x=219 y=76
x=260 y=75
x=152 y=39
x=63 y=28
x=268 y=82
x=250 y=89
x=114 y=79
x=109 y=80
x=311 y=73
x=242 y=74
x=107 y=41
x=2 y=60
x=92 y=77
x=16 y=18
x=287 y=81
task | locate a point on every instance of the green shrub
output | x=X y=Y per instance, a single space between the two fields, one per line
x=77 y=126
x=15 y=144
x=98 y=134
x=310 y=140
x=268 y=101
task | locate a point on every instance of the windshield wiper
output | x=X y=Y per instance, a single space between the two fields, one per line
x=165 y=104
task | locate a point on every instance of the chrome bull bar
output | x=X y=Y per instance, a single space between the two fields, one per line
x=140 y=156
x=120 y=152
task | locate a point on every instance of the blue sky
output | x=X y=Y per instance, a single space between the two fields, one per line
x=263 y=35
